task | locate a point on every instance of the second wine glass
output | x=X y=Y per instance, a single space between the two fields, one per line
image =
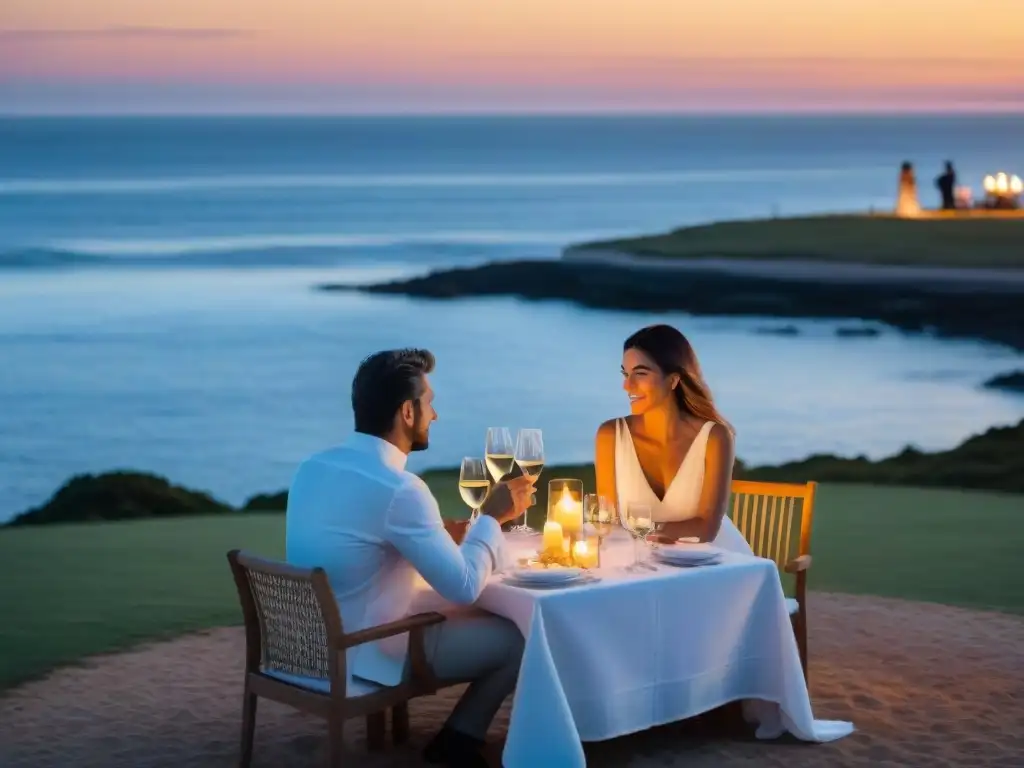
x=637 y=520
x=498 y=452
x=600 y=512
x=473 y=485
x=529 y=455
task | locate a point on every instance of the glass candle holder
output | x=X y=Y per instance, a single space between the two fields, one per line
x=586 y=550
x=565 y=505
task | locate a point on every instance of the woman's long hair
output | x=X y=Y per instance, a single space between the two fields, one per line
x=672 y=353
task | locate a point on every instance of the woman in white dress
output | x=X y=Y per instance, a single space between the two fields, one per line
x=674 y=453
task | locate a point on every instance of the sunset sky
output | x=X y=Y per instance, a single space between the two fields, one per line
x=510 y=55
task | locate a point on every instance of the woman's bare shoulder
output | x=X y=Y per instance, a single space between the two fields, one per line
x=607 y=430
x=720 y=438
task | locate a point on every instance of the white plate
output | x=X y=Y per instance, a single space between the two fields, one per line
x=690 y=546
x=688 y=562
x=512 y=581
x=688 y=551
x=687 y=557
x=546 y=575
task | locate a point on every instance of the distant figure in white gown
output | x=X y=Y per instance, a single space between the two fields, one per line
x=906 y=200
x=675 y=451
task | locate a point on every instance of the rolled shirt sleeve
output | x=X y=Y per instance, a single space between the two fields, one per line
x=415 y=528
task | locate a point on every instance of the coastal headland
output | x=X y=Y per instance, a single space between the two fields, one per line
x=948 y=275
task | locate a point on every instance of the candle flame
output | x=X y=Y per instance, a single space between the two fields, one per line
x=566 y=501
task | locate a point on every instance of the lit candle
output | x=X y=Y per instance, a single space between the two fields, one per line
x=569 y=512
x=553 y=537
x=583 y=556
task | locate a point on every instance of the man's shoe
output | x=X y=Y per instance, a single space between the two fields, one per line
x=457 y=750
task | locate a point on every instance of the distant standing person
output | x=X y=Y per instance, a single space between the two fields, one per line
x=906 y=202
x=947 y=187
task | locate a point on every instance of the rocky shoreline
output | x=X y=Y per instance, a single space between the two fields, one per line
x=946 y=307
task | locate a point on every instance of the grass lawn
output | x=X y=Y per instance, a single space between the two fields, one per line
x=69 y=591
x=940 y=240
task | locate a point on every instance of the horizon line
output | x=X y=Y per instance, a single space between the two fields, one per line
x=987 y=111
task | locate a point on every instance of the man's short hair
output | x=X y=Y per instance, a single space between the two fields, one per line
x=383 y=382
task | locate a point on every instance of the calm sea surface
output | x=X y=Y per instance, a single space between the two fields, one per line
x=156 y=309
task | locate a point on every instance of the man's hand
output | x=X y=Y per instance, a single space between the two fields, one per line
x=457 y=529
x=509 y=499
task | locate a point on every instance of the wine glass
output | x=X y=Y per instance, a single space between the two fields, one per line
x=473 y=484
x=637 y=520
x=599 y=511
x=529 y=455
x=498 y=452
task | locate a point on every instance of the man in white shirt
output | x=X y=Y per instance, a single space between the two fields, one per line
x=354 y=511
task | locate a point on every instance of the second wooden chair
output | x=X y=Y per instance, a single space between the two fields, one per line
x=776 y=520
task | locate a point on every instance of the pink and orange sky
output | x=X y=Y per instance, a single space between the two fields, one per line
x=510 y=55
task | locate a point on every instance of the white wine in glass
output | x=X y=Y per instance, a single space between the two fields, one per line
x=499 y=452
x=474 y=492
x=531 y=467
x=529 y=454
x=473 y=484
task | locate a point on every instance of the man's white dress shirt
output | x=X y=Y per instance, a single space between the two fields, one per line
x=354 y=511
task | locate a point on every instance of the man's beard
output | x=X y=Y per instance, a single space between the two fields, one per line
x=420 y=442
x=420 y=438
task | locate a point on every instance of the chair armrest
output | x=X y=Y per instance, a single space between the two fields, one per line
x=409 y=623
x=802 y=563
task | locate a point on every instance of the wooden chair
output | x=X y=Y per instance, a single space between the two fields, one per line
x=295 y=654
x=764 y=514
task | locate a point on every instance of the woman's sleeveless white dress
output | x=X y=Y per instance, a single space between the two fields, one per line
x=682 y=496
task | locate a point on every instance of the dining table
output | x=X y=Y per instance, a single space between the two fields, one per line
x=625 y=651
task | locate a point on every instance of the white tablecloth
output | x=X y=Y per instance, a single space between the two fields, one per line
x=634 y=651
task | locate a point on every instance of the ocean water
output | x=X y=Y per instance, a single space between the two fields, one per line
x=157 y=308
